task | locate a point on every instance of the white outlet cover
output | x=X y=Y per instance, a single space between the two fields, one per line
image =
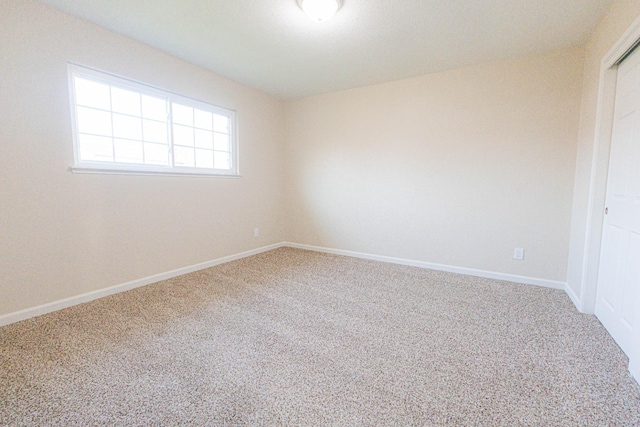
x=518 y=253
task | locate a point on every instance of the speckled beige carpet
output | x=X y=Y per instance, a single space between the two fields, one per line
x=291 y=337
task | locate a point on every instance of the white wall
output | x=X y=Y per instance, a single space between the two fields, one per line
x=454 y=168
x=581 y=276
x=63 y=234
x=598 y=95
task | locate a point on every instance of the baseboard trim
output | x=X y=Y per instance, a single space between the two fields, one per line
x=439 y=267
x=634 y=369
x=574 y=298
x=28 y=313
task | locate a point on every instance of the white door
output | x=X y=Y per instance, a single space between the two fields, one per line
x=618 y=298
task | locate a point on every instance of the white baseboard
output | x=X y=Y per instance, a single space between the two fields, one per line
x=574 y=298
x=440 y=267
x=17 y=316
x=634 y=369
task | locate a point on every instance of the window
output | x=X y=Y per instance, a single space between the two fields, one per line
x=121 y=126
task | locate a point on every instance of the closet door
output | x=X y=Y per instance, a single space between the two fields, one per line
x=618 y=297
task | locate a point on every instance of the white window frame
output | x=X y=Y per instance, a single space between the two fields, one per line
x=113 y=167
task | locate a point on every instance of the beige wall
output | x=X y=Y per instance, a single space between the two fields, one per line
x=619 y=17
x=63 y=234
x=454 y=168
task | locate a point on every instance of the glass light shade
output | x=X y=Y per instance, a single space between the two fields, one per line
x=319 y=10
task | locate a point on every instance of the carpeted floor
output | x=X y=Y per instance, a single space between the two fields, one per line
x=292 y=337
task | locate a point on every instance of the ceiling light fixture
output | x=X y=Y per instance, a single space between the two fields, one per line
x=320 y=10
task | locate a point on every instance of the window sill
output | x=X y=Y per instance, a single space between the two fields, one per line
x=114 y=171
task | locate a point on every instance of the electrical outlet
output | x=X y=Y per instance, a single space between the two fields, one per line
x=518 y=253
x=256 y=232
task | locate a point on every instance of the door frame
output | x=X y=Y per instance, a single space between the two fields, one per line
x=600 y=171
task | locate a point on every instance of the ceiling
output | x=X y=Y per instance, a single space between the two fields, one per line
x=272 y=46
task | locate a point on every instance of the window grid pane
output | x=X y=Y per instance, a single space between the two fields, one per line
x=119 y=124
x=92 y=94
x=183 y=135
x=204 y=131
